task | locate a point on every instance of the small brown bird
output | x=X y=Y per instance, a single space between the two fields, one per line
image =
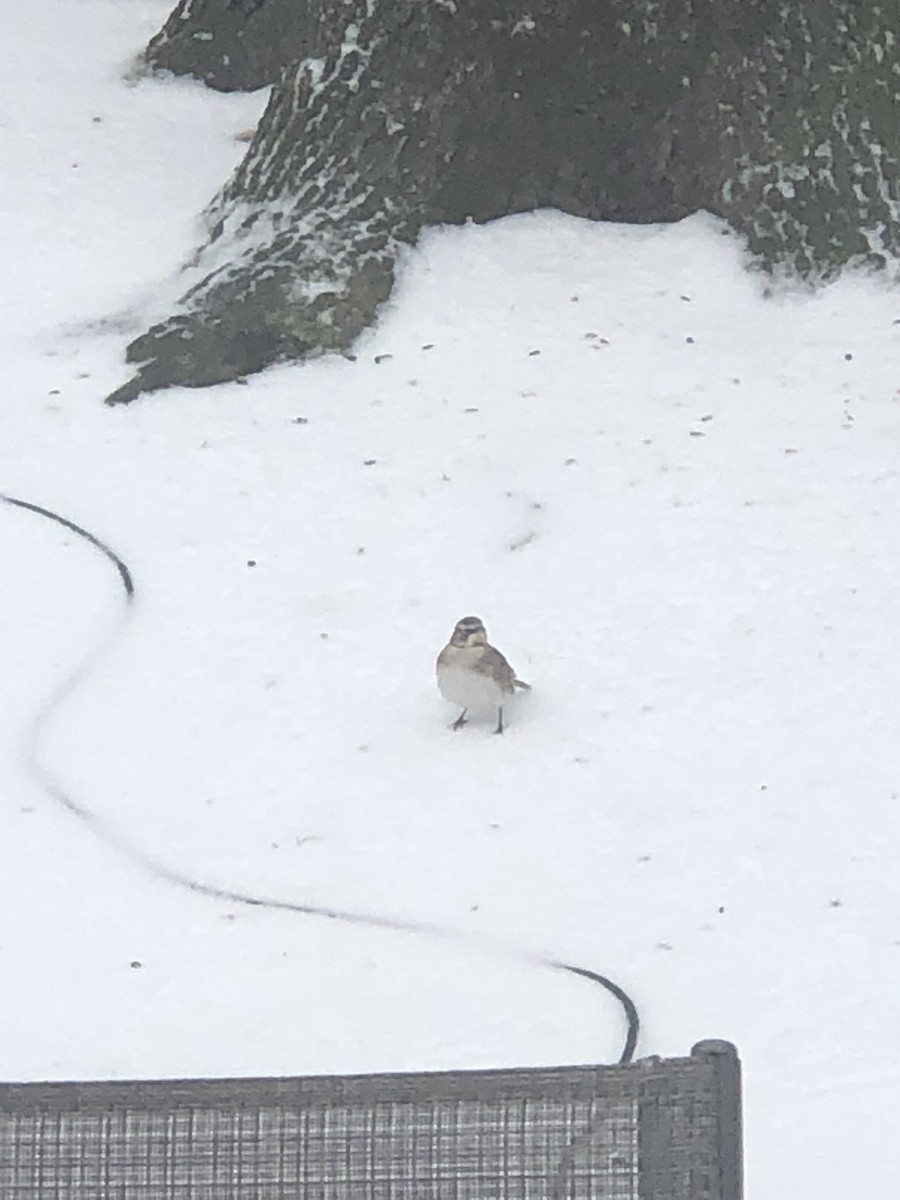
x=473 y=674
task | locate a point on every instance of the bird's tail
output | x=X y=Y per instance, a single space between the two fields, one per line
x=522 y=685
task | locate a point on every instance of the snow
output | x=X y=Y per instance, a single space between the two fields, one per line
x=673 y=500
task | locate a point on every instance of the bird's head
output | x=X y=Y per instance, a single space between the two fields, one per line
x=470 y=631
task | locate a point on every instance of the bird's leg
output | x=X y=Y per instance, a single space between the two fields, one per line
x=460 y=720
x=499 y=728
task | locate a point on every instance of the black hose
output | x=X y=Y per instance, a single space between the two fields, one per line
x=126 y=576
x=632 y=1018
x=171 y=875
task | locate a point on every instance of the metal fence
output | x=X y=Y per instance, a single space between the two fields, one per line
x=657 y=1129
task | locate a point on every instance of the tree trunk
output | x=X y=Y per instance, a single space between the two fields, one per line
x=388 y=115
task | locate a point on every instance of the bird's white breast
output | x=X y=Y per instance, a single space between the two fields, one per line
x=467 y=688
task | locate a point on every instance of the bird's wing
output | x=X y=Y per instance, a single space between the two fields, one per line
x=491 y=662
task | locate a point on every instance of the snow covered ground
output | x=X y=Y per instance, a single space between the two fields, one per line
x=673 y=501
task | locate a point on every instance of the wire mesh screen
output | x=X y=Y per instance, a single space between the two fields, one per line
x=659 y=1129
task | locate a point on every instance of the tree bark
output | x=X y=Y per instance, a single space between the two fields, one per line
x=388 y=115
x=232 y=45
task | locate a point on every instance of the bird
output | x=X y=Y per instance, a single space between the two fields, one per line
x=474 y=674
